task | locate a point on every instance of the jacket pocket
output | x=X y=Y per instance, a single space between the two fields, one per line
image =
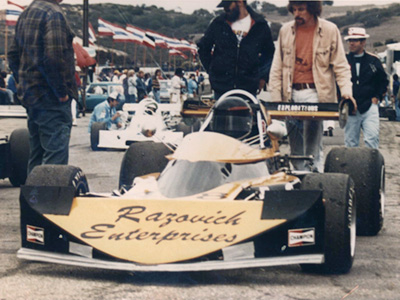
x=287 y=56
x=322 y=56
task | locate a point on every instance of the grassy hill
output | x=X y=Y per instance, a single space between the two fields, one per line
x=176 y=24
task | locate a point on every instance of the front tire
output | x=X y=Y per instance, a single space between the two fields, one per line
x=59 y=175
x=366 y=167
x=340 y=221
x=142 y=158
x=95 y=134
x=19 y=156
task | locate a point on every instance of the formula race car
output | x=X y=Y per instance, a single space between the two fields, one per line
x=225 y=198
x=14 y=155
x=151 y=122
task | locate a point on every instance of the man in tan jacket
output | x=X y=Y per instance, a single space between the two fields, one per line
x=309 y=60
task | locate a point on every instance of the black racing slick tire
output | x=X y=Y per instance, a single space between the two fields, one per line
x=391 y=114
x=366 y=167
x=142 y=158
x=19 y=156
x=59 y=175
x=340 y=221
x=95 y=134
x=182 y=127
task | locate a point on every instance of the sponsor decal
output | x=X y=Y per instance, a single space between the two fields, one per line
x=35 y=234
x=162 y=221
x=297 y=107
x=301 y=237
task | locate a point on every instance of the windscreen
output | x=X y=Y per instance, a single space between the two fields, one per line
x=183 y=178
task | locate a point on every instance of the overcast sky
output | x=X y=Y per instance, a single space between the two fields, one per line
x=188 y=6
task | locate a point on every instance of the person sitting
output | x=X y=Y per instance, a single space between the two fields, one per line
x=106 y=112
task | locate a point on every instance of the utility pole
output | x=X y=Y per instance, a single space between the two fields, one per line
x=85 y=43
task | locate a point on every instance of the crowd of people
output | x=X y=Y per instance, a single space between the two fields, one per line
x=137 y=85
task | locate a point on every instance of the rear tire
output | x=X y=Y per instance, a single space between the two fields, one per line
x=95 y=134
x=340 y=218
x=59 y=175
x=366 y=167
x=391 y=114
x=19 y=156
x=140 y=159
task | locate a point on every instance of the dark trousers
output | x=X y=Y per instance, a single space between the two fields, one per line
x=49 y=135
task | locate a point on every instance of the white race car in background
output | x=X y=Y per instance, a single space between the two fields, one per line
x=150 y=122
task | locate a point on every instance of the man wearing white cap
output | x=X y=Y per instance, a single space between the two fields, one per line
x=106 y=112
x=369 y=84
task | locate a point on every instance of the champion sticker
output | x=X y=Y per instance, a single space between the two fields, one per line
x=301 y=237
x=35 y=234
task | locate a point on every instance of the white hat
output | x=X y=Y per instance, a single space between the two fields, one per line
x=114 y=95
x=356 y=33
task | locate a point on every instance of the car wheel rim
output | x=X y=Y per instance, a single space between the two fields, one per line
x=382 y=192
x=352 y=224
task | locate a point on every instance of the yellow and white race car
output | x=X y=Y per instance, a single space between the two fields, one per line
x=225 y=198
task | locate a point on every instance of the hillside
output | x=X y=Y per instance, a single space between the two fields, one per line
x=191 y=27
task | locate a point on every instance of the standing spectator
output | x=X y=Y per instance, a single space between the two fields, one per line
x=201 y=82
x=123 y=75
x=74 y=103
x=148 y=82
x=176 y=85
x=308 y=62
x=5 y=93
x=395 y=91
x=369 y=85
x=115 y=77
x=156 y=85
x=106 y=112
x=141 y=86
x=192 y=86
x=132 y=90
x=12 y=85
x=42 y=60
x=237 y=49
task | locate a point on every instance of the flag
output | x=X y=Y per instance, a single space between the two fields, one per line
x=193 y=49
x=172 y=43
x=92 y=34
x=122 y=35
x=149 y=41
x=159 y=39
x=137 y=33
x=177 y=53
x=105 y=28
x=141 y=36
x=13 y=12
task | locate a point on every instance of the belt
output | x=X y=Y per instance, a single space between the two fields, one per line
x=303 y=86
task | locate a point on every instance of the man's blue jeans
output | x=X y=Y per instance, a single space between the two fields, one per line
x=156 y=94
x=368 y=122
x=397 y=109
x=49 y=135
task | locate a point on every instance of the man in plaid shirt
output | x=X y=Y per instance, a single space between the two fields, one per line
x=42 y=60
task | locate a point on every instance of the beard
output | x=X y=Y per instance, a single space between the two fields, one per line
x=299 y=21
x=232 y=15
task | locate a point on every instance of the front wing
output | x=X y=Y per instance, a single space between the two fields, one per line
x=171 y=235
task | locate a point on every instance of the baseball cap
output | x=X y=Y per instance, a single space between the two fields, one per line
x=224 y=3
x=115 y=96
